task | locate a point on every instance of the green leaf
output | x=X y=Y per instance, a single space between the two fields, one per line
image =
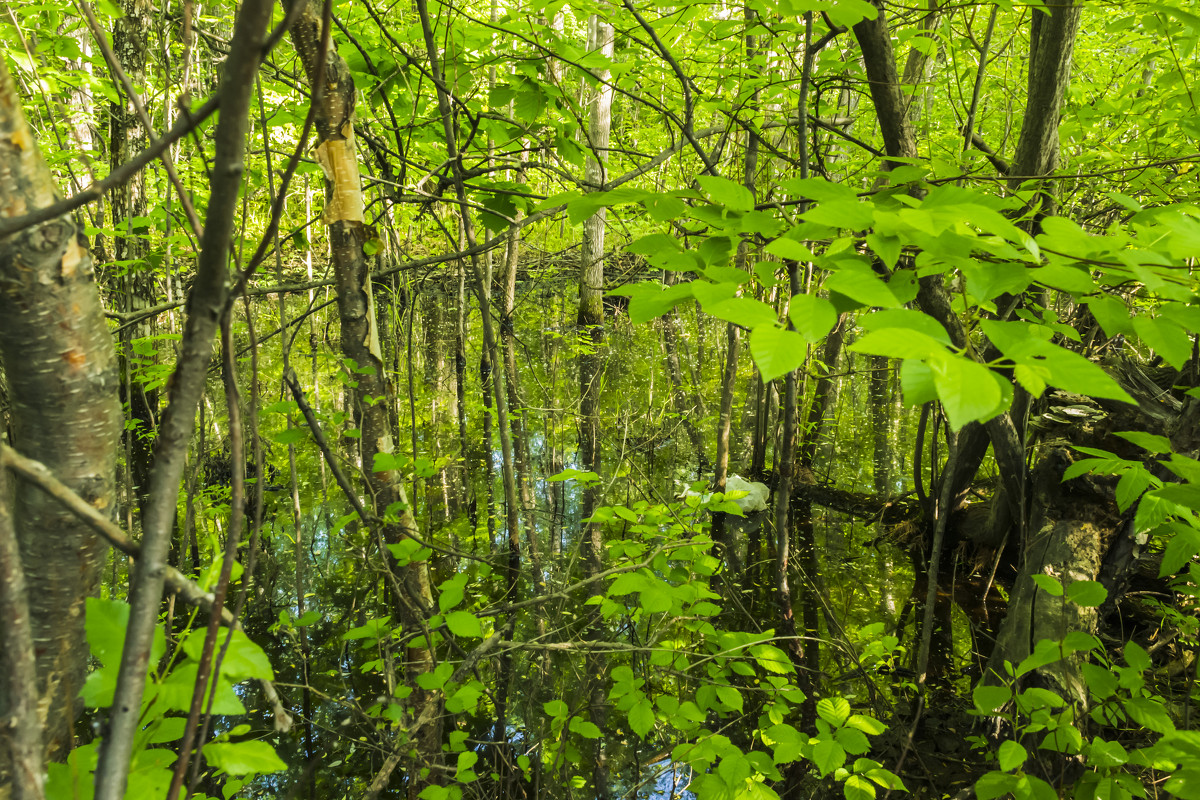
x=1101 y=683
x=744 y=311
x=776 y=351
x=555 y=708
x=641 y=717
x=812 y=316
x=969 y=391
x=1106 y=754
x=866 y=724
x=1089 y=594
x=910 y=344
x=1150 y=714
x=859 y=281
x=819 y=189
x=105 y=624
x=1136 y=656
x=176 y=692
x=1112 y=314
x=1059 y=367
x=730 y=697
x=243 y=660
x=994 y=784
x=828 y=755
x=1049 y=584
x=857 y=787
x=727 y=193
x=1012 y=755
x=243 y=758
x=834 y=710
x=916 y=382
x=1180 y=550
x=989 y=698
x=1166 y=338
x=464 y=623
x=649 y=300
x=903 y=319
x=587 y=730
x=450 y=592
x=1184 y=783
x=886 y=247
x=789 y=249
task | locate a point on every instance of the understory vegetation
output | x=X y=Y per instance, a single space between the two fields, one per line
x=597 y=400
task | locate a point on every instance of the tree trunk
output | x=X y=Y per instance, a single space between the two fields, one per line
x=591 y=368
x=334 y=103
x=60 y=367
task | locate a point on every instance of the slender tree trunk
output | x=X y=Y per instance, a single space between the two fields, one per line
x=127 y=137
x=591 y=370
x=1051 y=46
x=334 y=103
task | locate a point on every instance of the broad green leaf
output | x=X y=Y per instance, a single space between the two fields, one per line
x=744 y=311
x=776 y=351
x=587 y=730
x=908 y=344
x=988 y=698
x=828 y=755
x=1101 y=683
x=994 y=784
x=858 y=787
x=1136 y=656
x=243 y=758
x=450 y=592
x=1011 y=755
x=641 y=717
x=1029 y=345
x=464 y=623
x=727 y=193
x=1106 y=754
x=1150 y=442
x=1112 y=314
x=812 y=316
x=916 y=382
x=784 y=247
x=1166 y=338
x=649 y=300
x=243 y=660
x=105 y=624
x=969 y=391
x=1049 y=584
x=852 y=740
x=858 y=281
x=176 y=692
x=819 y=189
x=841 y=214
x=1180 y=550
x=834 y=710
x=653 y=244
x=898 y=320
x=1150 y=714
x=1089 y=594
x=730 y=697
x=886 y=247
x=865 y=724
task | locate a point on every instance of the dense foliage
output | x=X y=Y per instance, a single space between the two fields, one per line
x=437 y=524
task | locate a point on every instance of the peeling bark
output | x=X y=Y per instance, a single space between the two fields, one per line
x=373 y=395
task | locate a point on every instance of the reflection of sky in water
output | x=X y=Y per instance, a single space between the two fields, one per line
x=670 y=783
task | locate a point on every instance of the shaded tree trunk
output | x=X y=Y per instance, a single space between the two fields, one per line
x=60 y=368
